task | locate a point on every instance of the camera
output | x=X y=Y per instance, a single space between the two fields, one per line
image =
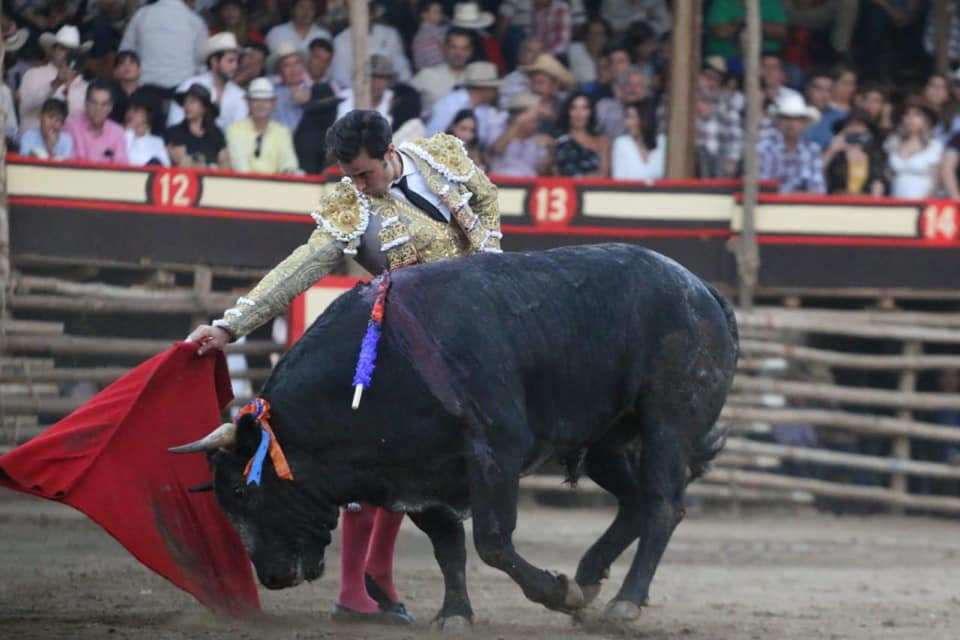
x=861 y=138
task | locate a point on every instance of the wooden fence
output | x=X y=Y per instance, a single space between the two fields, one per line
x=774 y=386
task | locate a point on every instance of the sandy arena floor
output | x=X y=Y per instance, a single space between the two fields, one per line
x=789 y=575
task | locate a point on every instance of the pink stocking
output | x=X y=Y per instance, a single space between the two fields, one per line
x=380 y=553
x=356 y=528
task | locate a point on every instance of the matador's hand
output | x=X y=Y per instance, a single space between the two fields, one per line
x=209 y=338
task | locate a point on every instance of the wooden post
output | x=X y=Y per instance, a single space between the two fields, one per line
x=942 y=14
x=359 y=28
x=901 y=444
x=748 y=258
x=202 y=286
x=684 y=64
x=4 y=217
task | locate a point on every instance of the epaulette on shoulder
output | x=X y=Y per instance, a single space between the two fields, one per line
x=445 y=154
x=344 y=213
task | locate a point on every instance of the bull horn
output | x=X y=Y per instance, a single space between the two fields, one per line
x=223 y=436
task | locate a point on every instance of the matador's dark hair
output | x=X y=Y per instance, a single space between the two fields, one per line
x=359 y=130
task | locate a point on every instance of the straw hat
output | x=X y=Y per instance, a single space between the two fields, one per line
x=218 y=43
x=523 y=101
x=546 y=63
x=261 y=89
x=285 y=50
x=68 y=37
x=467 y=15
x=481 y=74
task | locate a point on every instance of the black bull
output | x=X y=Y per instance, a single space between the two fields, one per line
x=611 y=358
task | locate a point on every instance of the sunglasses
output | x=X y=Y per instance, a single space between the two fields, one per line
x=256 y=148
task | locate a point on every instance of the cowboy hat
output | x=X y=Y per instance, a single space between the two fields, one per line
x=284 y=50
x=218 y=43
x=793 y=105
x=202 y=94
x=68 y=37
x=467 y=15
x=381 y=66
x=523 y=101
x=261 y=89
x=16 y=40
x=547 y=64
x=480 y=74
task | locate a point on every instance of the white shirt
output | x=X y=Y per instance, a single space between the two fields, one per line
x=346 y=106
x=142 y=150
x=382 y=39
x=915 y=176
x=232 y=102
x=416 y=183
x=435 y=82
x=10 y=114
x=628 y=164
x=287 y=33
x=491 y=122
x=582 y=66
x=168 y=36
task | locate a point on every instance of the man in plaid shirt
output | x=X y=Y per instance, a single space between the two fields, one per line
x=719 y=123
x=785 y=157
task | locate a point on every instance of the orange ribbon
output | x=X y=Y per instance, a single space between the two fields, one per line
x=260 y=409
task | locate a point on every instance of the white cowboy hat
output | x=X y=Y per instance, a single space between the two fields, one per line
x=481 y=74
x=284 y=50
x=16 y=40
x=793 y=106
x=68 y=36
x=467 y=15
x=218 y=43
x=261 y=89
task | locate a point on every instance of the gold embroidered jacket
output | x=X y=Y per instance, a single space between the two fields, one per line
x=382 y=232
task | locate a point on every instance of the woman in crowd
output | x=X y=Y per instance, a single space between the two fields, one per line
x=143 y=147
x=580 y=151
x=639 y=154
x=231 y=16
x=913 y=153
x=937 y=94
x=586 y=53
x=854 y=160
x=197 y=141
x=464 y=127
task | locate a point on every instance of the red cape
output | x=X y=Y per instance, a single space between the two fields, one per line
x=109 y=460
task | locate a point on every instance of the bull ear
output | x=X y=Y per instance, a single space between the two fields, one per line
x=248 y=436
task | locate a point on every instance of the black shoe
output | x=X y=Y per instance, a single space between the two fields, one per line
x=343 y=614
x=387 y=605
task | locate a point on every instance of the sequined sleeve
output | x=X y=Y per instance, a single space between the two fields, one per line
x=308 y=263
x=483 y=231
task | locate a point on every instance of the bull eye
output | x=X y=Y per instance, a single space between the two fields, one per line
x=239 y=492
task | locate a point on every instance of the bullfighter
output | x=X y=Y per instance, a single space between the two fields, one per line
x=398 y=205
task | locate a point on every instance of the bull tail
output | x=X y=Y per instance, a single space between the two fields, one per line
x=712 y=442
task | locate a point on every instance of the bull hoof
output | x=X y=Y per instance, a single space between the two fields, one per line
x=454 y=625
x=622 y=611
x=574 y=599
x=590 y=592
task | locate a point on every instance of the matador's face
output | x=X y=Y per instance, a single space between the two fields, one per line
x=373 y=176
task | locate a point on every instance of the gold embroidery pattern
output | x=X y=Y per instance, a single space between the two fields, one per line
x=344 y=213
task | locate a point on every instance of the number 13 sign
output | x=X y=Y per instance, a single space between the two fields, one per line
x=552 y=202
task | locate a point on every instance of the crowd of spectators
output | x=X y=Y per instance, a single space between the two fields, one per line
x=532 y=87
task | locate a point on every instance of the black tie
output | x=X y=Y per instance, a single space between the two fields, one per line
x=420 y=202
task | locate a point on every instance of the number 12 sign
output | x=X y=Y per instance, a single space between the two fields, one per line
x=175 y=188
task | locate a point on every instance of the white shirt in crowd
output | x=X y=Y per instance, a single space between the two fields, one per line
x=491 y=122
x=382 y=39
x=10 y=126
x=582 y=66
x=627 y=163
x=232 y=103
x=143 y=149
x=915 y=176
x=167 y=35
x=346 y=104
x=287 y=33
